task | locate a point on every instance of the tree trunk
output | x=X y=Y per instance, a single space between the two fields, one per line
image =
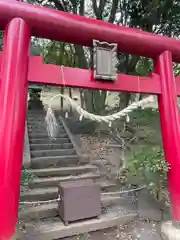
x=81 y=97
x=62 y=100
x=70 y=95
x=99 y=101
x=124 y=100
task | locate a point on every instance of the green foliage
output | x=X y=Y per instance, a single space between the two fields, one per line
x=144 y=116
x=60 y=54
x=150 y=168
x=34 y=93
x=26 y=178
x=36 y=47
x=144 y=67
x=139 y=118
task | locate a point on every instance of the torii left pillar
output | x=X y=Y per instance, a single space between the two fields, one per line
x=13 y=105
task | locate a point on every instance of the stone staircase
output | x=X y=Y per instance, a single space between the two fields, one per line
x=53 y=162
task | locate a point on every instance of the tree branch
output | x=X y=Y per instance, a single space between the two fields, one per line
x=81 y=8
x=58 y=5
x=113 y=11
x=98 y=11
x=132 y=63
x=95 y=8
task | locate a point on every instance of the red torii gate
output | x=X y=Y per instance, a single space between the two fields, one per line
x=21 y=21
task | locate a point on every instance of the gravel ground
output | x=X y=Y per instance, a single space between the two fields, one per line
x=137 y=230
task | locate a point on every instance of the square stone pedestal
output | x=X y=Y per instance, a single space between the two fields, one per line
x=79 y=200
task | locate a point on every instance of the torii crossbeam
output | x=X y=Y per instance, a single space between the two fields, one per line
x=21 y=21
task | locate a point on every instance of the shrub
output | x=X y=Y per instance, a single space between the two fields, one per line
x=26 y=178
x=150 y=168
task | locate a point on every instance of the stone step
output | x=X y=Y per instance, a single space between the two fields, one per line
x=49 y=141
x=53 y=152
x=37 y=130
x=54 y=161
x=35 y=119
x=55 y=181
x=41 y=124
x=51 y=230
x=43 y=194
x=42 y=130
x=39 y=212
x=51 y=209
x=62 y=171
x=36 y=112
x=45 y=135
x=39 y=194
x=35 y=147
x=36 y=123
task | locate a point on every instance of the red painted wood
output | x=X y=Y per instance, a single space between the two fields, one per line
x=13 y=105
x=63 y=26
x=170 y=126
x=75 y=77
x=177 y=80
x=39 y=73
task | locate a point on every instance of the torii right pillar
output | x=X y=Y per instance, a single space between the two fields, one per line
x=170 y=127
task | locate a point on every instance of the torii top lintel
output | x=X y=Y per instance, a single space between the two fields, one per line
x=62 y=26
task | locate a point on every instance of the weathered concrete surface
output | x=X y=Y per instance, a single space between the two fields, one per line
x=71 y=137
x=148 y=208
x=26 y=153
x=39 y=212
x=149 y=235
x=49 y=230
x=169 y=232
